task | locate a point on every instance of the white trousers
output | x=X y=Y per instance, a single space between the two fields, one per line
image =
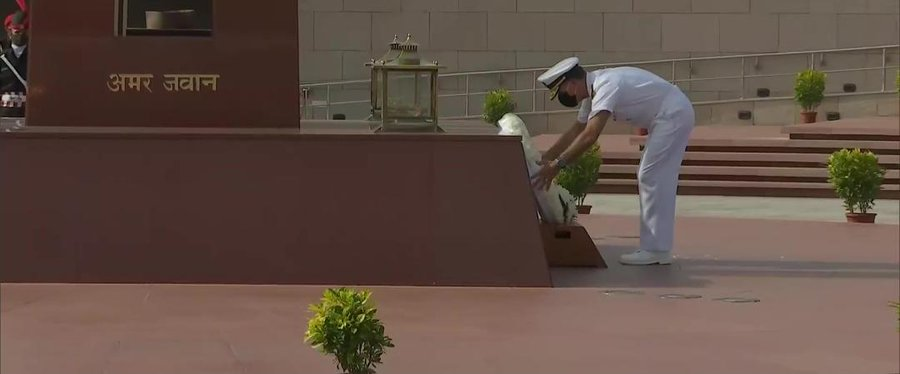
x=659 y=169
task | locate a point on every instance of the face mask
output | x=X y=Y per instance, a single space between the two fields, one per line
x=567 y=100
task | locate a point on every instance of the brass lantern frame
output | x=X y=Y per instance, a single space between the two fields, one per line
x=403 y=58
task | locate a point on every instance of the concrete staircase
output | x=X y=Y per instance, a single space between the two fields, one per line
x=763 y=161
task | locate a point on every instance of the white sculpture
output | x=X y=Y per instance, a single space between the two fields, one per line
x=556 y=205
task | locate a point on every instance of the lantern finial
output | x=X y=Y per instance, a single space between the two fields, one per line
x=393 y=51
x=409 y=52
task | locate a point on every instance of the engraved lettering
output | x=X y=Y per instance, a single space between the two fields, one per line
x=115 y=83
x=210 y=80
x=171 y=82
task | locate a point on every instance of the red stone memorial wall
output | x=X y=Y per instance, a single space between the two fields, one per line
x=261 y=207
x=83 y=72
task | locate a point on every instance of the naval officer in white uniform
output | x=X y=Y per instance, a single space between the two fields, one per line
x=641 y=99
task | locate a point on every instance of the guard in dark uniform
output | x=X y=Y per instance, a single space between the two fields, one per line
x=14 y=63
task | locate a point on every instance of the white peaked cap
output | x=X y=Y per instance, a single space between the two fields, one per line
x=553 y=77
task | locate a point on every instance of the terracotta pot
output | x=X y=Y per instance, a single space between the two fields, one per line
x=861 y=217
x=808 y=117
x=584 y=209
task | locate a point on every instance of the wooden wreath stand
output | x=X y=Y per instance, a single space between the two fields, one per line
x=570 y=246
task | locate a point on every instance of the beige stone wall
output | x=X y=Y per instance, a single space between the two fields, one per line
x=338 y=36
x=764 y=113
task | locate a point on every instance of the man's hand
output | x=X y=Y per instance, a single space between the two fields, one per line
x=563 y=142
x=588 y=137
x=544 y=177
x=577 y=140
x=544 y=160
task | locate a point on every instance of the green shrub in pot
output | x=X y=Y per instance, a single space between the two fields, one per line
x=897 y=83
x=856 y=177
x=809 y=92
x=344 y=325
x=497 y=103
x=896 y=306
x=579 y=176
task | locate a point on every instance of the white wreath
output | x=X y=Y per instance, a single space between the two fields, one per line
x=556 y=204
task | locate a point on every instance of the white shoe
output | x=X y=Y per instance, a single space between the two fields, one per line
x=642 y=257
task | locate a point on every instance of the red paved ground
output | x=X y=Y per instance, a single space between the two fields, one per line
x=823 y=290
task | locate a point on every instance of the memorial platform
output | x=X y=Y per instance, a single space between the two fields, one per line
x=822 y=288
x=267 y=206
x=773 y=161
x=156 y=167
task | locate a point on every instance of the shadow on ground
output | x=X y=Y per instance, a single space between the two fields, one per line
x=618 y=275
x=701 y=272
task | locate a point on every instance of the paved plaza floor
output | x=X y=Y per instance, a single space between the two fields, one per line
x=823 y=290
x=783 y=208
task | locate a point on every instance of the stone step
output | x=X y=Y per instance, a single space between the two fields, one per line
x=867 y=129
x=845 y=137
x=742 y=159
x=740 y=188
x=728 y=173
x=781 y=145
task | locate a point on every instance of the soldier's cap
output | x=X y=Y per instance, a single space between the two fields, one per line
x=556 y=75
x=17 y=21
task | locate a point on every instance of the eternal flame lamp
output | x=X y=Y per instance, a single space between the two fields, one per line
x=404 y=90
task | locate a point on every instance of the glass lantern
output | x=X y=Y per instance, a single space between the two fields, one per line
x=404 y=90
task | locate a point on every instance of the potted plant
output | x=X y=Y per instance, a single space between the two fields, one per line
x=580 y=176
x=497 y=104
x=896 y=306
x=856 y=177
x=344 y=325
x=809 y=91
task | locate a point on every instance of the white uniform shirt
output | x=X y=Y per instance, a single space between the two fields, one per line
x=632 y=95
